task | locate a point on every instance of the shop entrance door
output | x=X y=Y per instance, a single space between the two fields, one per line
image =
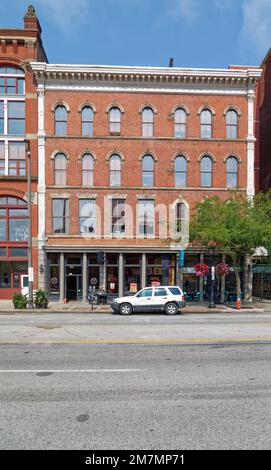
x=72 y=287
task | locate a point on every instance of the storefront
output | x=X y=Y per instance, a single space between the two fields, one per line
x=13 y=245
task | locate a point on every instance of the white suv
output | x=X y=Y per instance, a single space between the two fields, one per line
x=163 y=298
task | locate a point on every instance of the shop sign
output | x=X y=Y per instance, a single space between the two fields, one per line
x=155 y=284
x=133 y=287
x=112 y=286
x=93 y=281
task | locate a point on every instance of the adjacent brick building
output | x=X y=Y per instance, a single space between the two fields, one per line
x=18 y=121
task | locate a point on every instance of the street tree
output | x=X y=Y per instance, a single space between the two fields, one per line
x=236 y=226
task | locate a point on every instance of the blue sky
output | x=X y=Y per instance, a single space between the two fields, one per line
x=197 y=33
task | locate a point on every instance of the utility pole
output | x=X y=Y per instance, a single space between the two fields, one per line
x=29 y=198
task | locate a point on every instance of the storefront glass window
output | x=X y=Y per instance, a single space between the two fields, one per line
x=5 y=275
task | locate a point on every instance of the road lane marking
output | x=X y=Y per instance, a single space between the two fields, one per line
x=8 y=371
x=140 y=341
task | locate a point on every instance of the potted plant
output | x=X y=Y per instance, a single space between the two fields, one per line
x=40 y=299
x=19 y=301
x=201 y=269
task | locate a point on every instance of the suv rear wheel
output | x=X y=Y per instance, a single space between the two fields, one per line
x=125 y=309
x=171 y=308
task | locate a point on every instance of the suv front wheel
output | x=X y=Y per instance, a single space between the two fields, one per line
x=125 y=309
x=171 y=309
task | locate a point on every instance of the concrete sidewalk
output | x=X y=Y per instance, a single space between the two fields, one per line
x=6 y=307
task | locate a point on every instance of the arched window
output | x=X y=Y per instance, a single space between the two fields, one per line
x=180 y=171
x=87 y=121
x=87 y=170
x=147 y=122
x=60 y=120
x=231 y=124
x=11 y=80
x=13 y=220
x=180 y=122
x=206 y=124
x=147 y=171
x=232 y=172
x=206 y=171
x=114 y=120
x=115 y=170
x=60 y=169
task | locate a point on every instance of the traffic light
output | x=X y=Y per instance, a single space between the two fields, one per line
x=100 y=257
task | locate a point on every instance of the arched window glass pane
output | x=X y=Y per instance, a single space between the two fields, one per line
x=206 y=124
x=206 y=167
x=60 y=120
x=147 y=122
x=11 y=80
x=232 y=172
x=231 y=123
x=115 y=170
x=60 y=169
x=180 y=172
x=87 y=170
x=147 y=173
x=180 y=122
x=114 y=120
x=87 y=121
x=13 y=220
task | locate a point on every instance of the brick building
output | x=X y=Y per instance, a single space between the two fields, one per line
x=123 y=155
x=18 y=121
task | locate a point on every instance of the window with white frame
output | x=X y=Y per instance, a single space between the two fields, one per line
x=206 y=171
x=114 y=120
x=115 y=170
x=147 y=171
x=87 y=170
x=87 y=117
x=87 y=216
x=206 y=124
x=12 y=121
x=179 y=216
x=60 y=209
x=117 y=216
x=232 y=124
x=60 y=169
x=147 y=122
x=61 y=120
x=180 y=171
x=232 y=172
x=146 y=217
x=180 y=123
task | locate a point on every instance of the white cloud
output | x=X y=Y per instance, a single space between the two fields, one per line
x=67 y=14
x=256 y=27
x=183 y=9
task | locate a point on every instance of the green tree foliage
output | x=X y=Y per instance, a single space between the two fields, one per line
x=237 y=226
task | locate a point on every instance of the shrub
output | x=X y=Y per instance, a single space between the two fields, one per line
x=19 y=301
x=40 y=299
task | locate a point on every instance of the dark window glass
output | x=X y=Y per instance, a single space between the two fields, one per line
x=180 y=215
x=18 y=252
x=175 y=290
x=2 y=252
x=160 y=292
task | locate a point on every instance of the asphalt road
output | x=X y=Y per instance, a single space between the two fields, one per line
x=136 y=396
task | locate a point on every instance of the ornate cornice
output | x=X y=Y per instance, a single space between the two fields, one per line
x=144 y=75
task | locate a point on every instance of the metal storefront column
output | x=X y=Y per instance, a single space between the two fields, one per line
x=85 y=277
x=121 y=280
x=62 y=277
x=143 y=271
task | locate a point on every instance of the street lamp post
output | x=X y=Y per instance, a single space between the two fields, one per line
x=212 y=246
x=29 y=198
